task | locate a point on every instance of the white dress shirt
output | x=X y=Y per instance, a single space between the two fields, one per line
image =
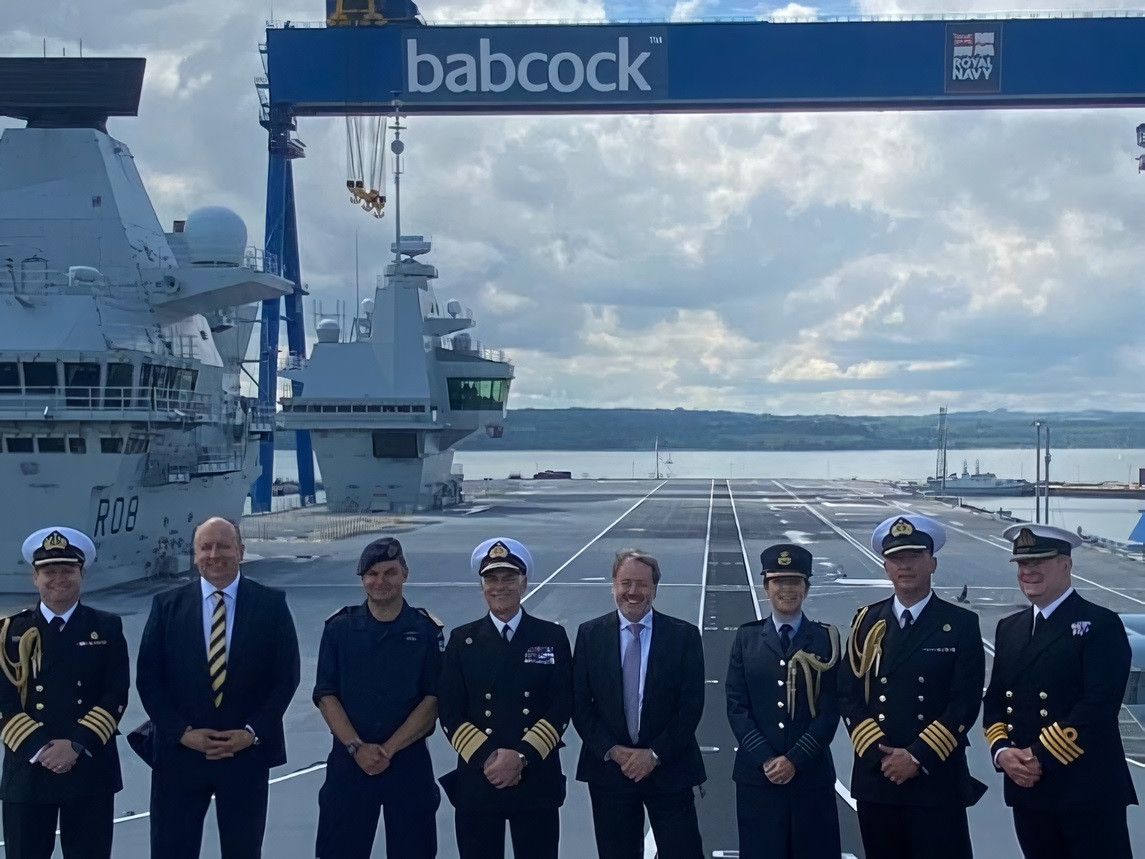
x=915 y=610
x=512 y=623
x=230 y=594
x=49 y=615
x=1048 y=610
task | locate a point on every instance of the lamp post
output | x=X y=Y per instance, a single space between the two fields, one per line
x=1046 y=478
x=1038 y=474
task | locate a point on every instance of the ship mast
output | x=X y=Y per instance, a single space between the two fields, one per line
x=397 y=147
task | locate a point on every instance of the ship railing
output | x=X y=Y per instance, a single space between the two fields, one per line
x=108 y=403
x=255 y=258
x=262 y=417
x=478 y=349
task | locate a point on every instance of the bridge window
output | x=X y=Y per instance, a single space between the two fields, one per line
x=111 y=444
x=18 y=445
x=478 y=394
x=81 y=383
x=9 y=377
x=117 y=394
x=395 y=444
x=48 y=444
x=77 y=444
x=136 y=443
x=41 y=377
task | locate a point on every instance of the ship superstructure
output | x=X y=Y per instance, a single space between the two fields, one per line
x=121 y=345
x=387 y=403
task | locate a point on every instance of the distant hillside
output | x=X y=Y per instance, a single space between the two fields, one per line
x=682 y=429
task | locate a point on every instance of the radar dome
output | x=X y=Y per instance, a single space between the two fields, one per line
x=453 y=308
x=367 y=308
x=329 y=331
x=215 y=234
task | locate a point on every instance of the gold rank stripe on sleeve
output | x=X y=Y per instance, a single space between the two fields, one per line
x=19 y=728
x=996 y=732
x=467 y=739
x=543 y=737
x=938 y=737
x=867 y=733
x=1061 y=743
x=101 y=722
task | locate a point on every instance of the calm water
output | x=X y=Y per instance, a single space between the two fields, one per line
x=1108 y=517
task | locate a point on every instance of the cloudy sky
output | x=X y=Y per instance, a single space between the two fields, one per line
x=848 y=263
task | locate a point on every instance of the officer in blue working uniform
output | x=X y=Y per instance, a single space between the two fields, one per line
x=784 y=710
x=378 y=670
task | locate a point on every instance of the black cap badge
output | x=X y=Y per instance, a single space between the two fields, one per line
x=55 y=542
x=498 y=551
x=784 y=559
x=1026 y=539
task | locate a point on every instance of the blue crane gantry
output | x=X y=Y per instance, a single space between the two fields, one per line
x=366 y=56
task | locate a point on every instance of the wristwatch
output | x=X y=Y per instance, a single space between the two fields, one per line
x=524 y=760
x=353 y=746
x=250 y=731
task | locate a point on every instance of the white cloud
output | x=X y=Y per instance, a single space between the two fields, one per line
x=852 y=263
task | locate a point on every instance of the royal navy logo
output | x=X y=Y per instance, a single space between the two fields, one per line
x=784 y=559
x=902 y=528
x=1026 y=539
x=498 y=551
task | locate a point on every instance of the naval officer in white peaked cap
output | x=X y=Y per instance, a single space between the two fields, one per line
x=504 y=700
x=909 y=693
x=62 y=694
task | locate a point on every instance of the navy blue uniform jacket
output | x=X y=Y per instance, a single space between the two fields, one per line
x=921 y=691
x=669 y=715
x=497 y=694
x=78 y=694
x=1060 y=695
x=760 y=711
x=262 y=671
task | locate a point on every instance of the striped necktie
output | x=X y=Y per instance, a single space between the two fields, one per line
x=217 y=648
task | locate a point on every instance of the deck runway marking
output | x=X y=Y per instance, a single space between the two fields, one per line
x=707 y=548
x=581 y=550
x=743 y=548
x=863 y=550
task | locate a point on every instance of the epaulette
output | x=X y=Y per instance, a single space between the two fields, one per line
x=343 y=610
x=21 y=613
x=431 y=617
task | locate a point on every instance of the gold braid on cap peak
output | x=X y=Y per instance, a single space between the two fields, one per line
x=27 y=663
x=870 y=655
x=813 y=668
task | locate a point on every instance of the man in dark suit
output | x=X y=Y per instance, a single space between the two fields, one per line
x=504 y=700
x=218 y=666
x=1051 y=709
x=784 y=709
x=912 y=689
x=638 y=680
x=67 y=674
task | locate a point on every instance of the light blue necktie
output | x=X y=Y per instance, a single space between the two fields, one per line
x=630 y=668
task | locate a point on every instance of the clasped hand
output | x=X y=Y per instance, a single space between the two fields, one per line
x=58 y=756
x=1021 y=765
x=636 y=764
x=217 y=745
x=779 y=770
x=372 y=758
x=503 y=768
x=897 y=764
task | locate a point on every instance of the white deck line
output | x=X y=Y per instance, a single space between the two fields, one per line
x=581 y=550
x=707 y=547
x=746 y=560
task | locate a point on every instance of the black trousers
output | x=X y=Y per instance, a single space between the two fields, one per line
x=1073 y=834
x=481 y=835
x=618 y=818
x=783 y=823
x=350 y=801
x=85 y=828
x=914 y=831
x=180 y=796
